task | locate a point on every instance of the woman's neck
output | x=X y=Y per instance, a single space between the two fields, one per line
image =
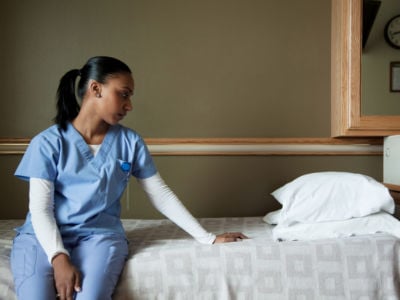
x=93 y=132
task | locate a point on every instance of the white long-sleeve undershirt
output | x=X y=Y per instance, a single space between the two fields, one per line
x=166 y=202
x=41 y=206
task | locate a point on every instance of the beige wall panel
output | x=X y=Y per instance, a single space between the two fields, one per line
x=14 y=200
x=238 y=186
x=209 y=186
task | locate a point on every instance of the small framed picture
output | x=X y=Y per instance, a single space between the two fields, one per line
x=395 y=76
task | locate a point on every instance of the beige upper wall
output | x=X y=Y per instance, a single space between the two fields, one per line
x=226 y=68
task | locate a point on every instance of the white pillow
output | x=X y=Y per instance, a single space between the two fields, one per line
x=331 y=196
x=273 y=217
x=375 y=223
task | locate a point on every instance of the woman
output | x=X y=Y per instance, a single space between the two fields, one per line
x=72 y=244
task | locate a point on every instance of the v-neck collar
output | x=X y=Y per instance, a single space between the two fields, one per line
x=84 y=148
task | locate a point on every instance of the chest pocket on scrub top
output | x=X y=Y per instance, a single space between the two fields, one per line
x=123 y=170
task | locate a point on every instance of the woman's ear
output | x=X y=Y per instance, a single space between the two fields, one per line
x=95 y=88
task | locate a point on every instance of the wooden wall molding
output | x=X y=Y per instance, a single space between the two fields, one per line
x=239 y=146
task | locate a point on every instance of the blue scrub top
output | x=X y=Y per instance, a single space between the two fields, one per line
x=87 y=188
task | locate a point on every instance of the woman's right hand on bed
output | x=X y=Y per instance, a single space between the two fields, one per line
x=66 y=276
x=229 y=237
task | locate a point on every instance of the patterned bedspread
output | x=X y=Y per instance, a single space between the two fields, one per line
x=165 y=263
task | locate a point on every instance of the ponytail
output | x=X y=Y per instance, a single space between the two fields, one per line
x=67 y=104
x=98 y=68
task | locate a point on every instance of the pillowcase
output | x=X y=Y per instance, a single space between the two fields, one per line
x=376 y=223
x=331 y=196
x=273 y=217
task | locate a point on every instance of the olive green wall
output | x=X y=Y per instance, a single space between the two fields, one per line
x=209 y=186
x=238 y=186
x=225 y=68
x=210 y=68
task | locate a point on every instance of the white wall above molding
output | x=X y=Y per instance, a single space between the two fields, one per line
x=245 y=146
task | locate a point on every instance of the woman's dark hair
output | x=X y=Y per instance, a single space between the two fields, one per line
x=98 y=68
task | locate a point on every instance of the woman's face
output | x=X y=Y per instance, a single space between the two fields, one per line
x=116 y=94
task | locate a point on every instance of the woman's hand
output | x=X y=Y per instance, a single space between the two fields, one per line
x=228 y=237
x=66 y=276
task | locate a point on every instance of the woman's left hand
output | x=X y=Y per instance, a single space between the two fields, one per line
x=228 y=237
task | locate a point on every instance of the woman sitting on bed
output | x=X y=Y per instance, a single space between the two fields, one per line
x=72 y=244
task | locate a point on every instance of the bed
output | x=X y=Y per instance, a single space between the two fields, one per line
x=334 y=238
x=165 y=263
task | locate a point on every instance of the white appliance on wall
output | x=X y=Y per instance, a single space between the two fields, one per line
x=391 y=160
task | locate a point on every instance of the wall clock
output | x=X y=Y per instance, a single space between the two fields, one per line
x=392 y=32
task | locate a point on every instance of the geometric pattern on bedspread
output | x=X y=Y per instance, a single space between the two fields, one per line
x=165 y=263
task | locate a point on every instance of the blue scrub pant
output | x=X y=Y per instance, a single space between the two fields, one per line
x=100 y=259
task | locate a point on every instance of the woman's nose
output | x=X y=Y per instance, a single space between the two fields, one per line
x=128 y=106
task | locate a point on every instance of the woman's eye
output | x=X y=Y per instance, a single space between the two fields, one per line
x=125 y=95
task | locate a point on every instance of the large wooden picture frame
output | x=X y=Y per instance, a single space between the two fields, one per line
x=346 y=117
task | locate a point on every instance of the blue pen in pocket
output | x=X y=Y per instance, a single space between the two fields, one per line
x=125 y=167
